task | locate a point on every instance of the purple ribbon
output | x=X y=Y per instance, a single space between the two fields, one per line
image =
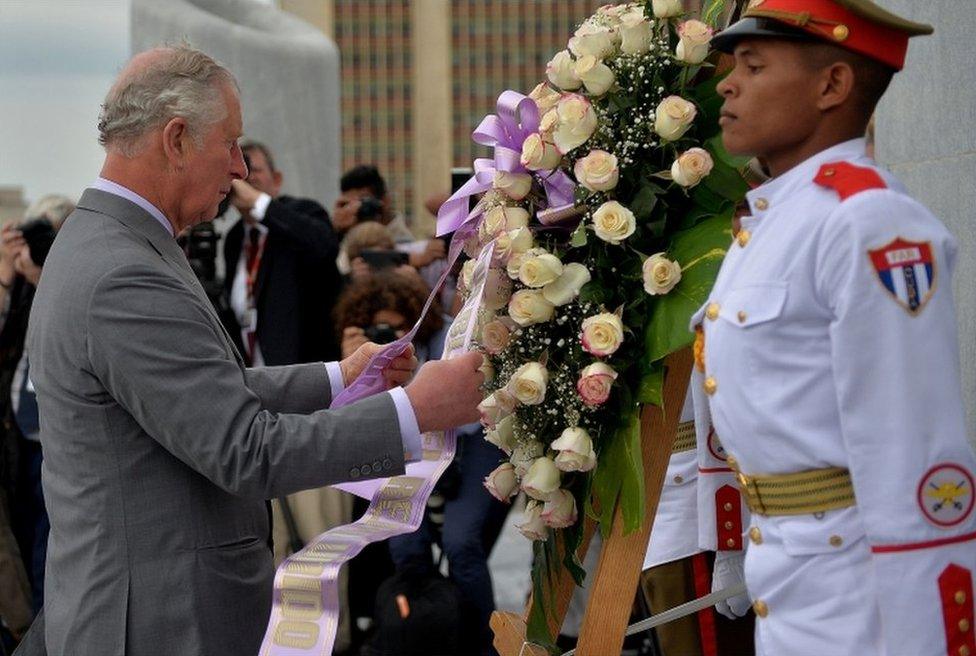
x=516 y=117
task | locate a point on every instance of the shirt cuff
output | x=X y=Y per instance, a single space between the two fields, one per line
x=335 y=378
x=260 y=207
x=409 y=430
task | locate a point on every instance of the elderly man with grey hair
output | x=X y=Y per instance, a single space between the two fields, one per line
x=160 y=445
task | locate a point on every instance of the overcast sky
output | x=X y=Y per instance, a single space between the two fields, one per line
x=57 y=60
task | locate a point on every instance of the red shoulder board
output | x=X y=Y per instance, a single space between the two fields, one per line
x=847 y=179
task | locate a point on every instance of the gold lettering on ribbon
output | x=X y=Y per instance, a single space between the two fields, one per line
x=394 y=501
x=300 y=635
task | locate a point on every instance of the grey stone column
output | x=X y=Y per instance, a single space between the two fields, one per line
x=288 y=72
x=926 y=134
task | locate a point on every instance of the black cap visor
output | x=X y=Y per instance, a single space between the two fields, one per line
x=751 y=28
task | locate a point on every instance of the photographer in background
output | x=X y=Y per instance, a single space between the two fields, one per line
x=281 y=275
x=23 y=250
x=364 y=197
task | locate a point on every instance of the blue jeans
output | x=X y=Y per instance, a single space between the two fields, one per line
x=29 y=520
x=472 y=522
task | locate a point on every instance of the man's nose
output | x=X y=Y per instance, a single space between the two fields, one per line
x=725 y=88
x=238 y=165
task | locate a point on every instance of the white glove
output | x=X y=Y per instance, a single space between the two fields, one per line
x=728 y=572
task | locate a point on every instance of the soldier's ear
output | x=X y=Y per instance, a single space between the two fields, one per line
x=836 y=86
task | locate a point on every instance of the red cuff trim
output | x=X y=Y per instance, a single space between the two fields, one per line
x=929 y=544
x=956 y=593
x=728 y=518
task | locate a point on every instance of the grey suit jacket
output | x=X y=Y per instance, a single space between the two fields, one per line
x=160 y=447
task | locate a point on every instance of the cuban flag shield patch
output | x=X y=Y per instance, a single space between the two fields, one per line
x=907 y=271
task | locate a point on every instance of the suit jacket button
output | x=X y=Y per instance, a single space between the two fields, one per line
x=366 y=469
x=387 y=463
x=354 y=472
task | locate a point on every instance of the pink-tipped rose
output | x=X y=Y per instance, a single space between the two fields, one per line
x=560 y=510
x=502 y=483
x=595 y=382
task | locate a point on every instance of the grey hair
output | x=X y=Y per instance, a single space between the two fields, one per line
x=53 y=207
x=183 y=82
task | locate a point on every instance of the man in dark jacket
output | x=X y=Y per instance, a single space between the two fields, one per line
x=281 y=276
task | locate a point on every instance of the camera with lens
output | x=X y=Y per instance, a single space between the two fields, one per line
x=39 y=235
x=381 y=333
x=370 y=209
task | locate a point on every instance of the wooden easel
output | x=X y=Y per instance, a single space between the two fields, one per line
x=615 y=581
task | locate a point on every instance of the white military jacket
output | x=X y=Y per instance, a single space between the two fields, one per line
x=832 y=342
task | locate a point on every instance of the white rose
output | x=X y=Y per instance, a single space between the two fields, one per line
x=498 y=289
x=595 y=382
x=539 y=154
x=511 y=244
x=514 y=185
x=691 y=166
x=602 y=334
x=660 y=274
x=467 y=274
x=515 y=218
x=674 y=115
x=542 y=479
x=667 y=8
x=693 y=39
x=548 y=123
x=635 y=32
x=502 y=483
x=495 y=336
x=577 y=122
x=594 y=74
x=561 y=71
x=559 y=510
x=597 y=171
x=532 y=525
x=568 y=285
x=613 y=222
x=528 y=383
x=575 y=450
x=492 y=225
x=591 y=39
x=503 y=434
x=487 y=369
x=529 y=306
x=524 y=454
x=495 y=407
x=538 y=270
x=545 y=97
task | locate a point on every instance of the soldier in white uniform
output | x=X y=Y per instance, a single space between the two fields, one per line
x=828 y=353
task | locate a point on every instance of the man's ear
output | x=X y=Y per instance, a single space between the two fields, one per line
x=277 y=178
x=176 y=141
x=836 y=87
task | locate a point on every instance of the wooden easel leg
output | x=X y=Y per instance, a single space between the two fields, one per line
x=620 y=563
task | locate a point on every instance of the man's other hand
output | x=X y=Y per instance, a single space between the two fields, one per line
x=243 y=196
x=446 y=393
x=398 y=372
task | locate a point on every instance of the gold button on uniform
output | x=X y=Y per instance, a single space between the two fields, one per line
x=963 y=625
x=755 y=535
x=761 y=204
x=743 y=237
x=741 y=316
x=829 y=173
x=730 y=543
x=679 y=480
x=712 y=311
x=728 y=526
x=964 y=651
x=762 y=610
x=960 y=597
x=841 y=32
x=710 y=385
x=836 y=540
x=727 y=507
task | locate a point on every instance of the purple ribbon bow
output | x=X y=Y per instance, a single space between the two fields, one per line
x=516 y=117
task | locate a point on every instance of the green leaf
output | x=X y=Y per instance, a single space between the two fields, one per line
x=606 y=484
x=632 y=483
x=537 y=628
x=578 y=238
x=644 y=201
x=651 y=386
x=716 y=147
x=712 y=10
x=593 y=292
x=700 y=251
